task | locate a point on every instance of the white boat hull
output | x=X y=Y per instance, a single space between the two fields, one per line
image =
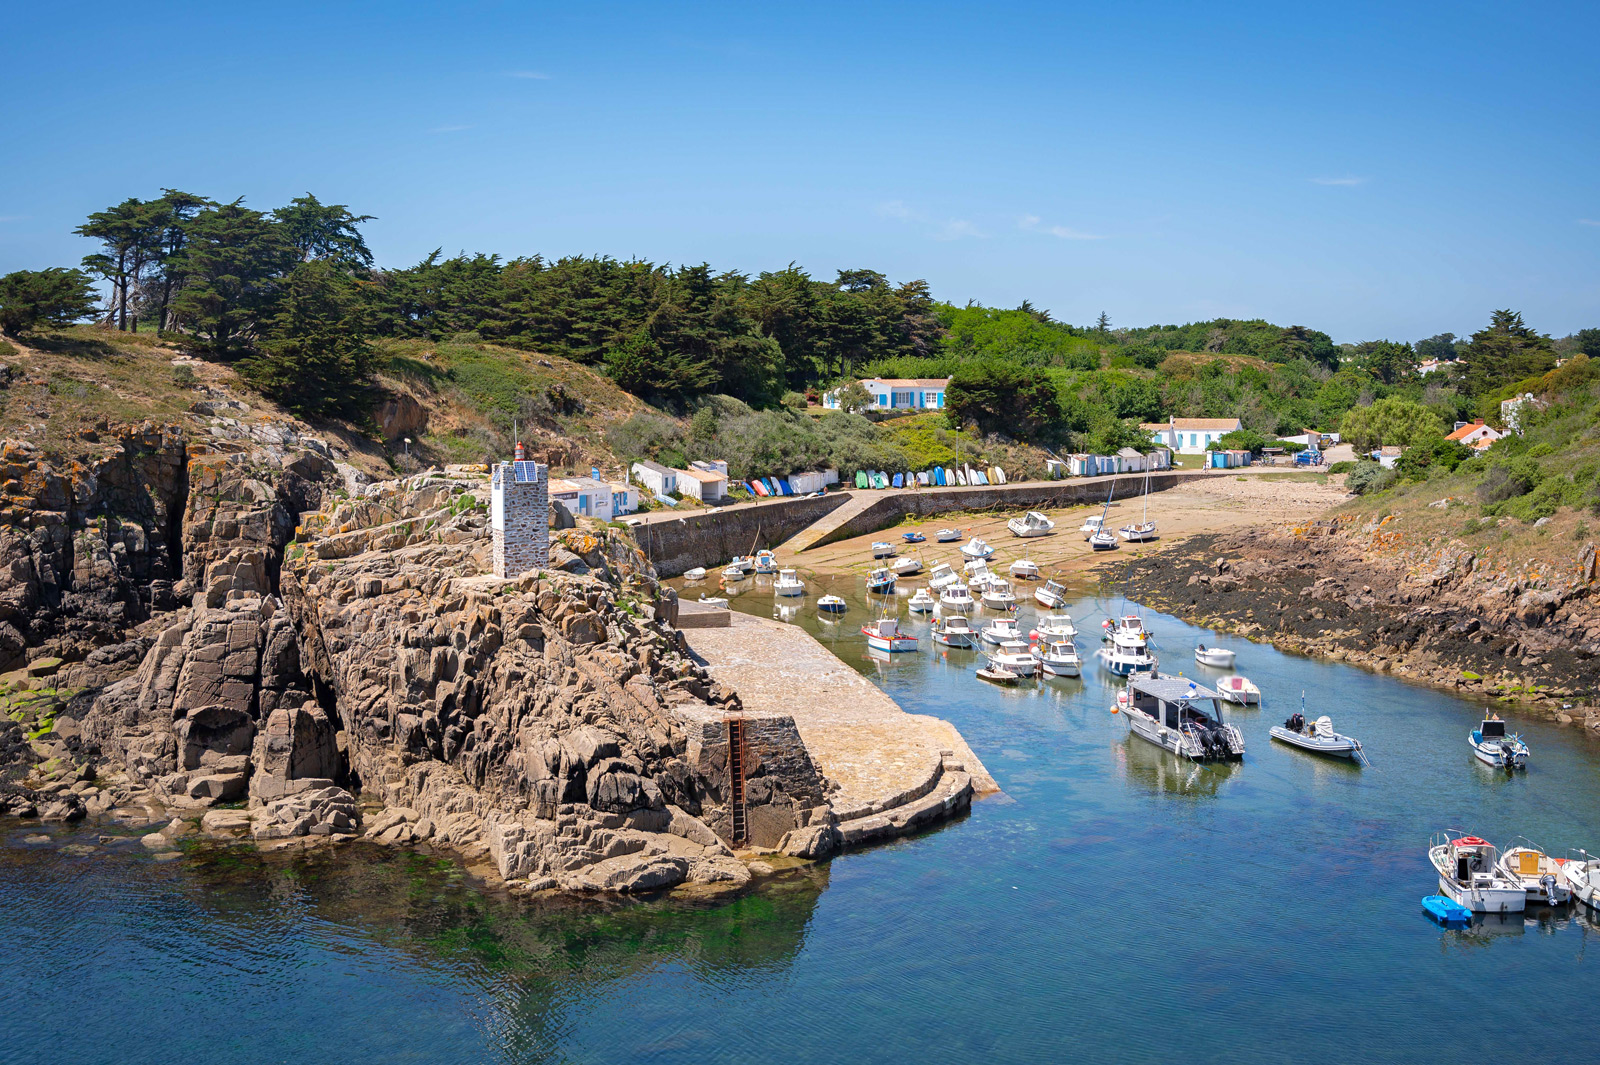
x=1137 y=535
x=1048 y=600
x=1485 y=899
x=1582 y=879
x=894 y=645
x=953 y=639
x=1125 y=665
x=1489 y=754
x=1061 y=667
x=1027 y=532
x=1337 y=747
x=1216 y=657
x=1149 y=729
x=789 y=589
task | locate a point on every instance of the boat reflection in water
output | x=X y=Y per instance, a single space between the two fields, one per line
x=1161 y=770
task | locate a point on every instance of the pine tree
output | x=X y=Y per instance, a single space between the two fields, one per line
x=316 y=361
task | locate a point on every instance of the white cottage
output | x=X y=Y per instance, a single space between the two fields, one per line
x=655 y=477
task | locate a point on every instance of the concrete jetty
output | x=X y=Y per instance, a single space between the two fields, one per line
x=895 y=771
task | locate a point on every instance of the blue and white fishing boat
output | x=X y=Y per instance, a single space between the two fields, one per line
x=885 y=635
x=1493 y=746
x=881 y=581
x=832 y=604
x=882 y=549
x=913 y=537
x=1127 y=655
x=766 y=562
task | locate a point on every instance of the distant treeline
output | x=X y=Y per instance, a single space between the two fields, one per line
x=293 y=297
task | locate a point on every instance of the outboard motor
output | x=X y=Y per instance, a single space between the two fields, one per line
x=1548 y=882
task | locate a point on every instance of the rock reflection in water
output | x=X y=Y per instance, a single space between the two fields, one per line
x=386 y=954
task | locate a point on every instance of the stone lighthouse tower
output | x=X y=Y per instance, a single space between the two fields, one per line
x=519 y=514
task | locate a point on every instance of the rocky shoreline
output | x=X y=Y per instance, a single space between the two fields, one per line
x=222 y=628
x=1342 y=589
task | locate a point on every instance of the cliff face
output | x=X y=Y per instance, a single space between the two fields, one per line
x=1432 y=612
x=199 y=618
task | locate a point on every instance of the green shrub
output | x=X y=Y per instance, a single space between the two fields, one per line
x=1509 y=480
x=183 y=376
x=1344 y=466
x=1369 y=477
x=7 y=349
x=1539 y=451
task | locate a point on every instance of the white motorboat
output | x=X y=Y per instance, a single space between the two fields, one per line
x=765 y=562
x=745 y=563
x=948 y=536
x=881 y=581
x=1091 y=525
x=733 y=572
x=996 y=674
x=1238 y=689
x=1000 y=630
x=1056 y=627
x=976 y=574
x=696 y=574
x=1024 y=569
x=941 y=576
x=1537 y=872
x=1493 y=746
x=1131 y=625
x=977 y=548
x=997 y=594
x=1317 y=737
x=1016 y=656
x=1219 y=657
x=1581 y=875
x=1140 y=531
x=956 y=598
x=1103 y=541
x=1466 y=868
x=1031 y=524
x=713 y=600
x=1059 y=658
x=832 y=604
x=905 y=567
x=1182 y=717
x=1052 y=595
x=885 y=635
x=788 y=583
x=882 y=549
x=954 y=631
x=922 y=602
x=1127 y=655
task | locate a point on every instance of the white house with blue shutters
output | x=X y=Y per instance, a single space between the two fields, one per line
x=898 y=393
x=1191 y=436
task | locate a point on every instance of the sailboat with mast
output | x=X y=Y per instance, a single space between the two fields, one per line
x=1145 y=529
x=1102 y=539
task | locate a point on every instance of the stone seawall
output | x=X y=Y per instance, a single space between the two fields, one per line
x=1036 y=495
x=674 y=545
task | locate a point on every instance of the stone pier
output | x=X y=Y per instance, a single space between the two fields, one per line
x=895 y=772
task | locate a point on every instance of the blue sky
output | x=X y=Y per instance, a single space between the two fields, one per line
x=1374 y=170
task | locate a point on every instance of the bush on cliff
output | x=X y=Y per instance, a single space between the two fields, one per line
x=1369 y=477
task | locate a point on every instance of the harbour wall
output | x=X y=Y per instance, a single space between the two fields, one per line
x=1034 y=495
x=674 y=545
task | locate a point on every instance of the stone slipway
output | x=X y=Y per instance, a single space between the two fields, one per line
x=896 y=771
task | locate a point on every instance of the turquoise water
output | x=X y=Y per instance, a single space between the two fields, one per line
x=1113 y=904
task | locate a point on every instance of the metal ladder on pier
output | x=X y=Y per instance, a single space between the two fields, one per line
x=736 y=768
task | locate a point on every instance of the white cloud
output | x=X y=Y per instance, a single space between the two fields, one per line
x=1338 y=181
x=448 y=129
x=1581 y=221
x=896 y=209
x=1031 y=222
x=528 y=75
x=1072 y=234
x=956 y=228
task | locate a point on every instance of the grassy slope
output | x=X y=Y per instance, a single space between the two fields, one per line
x=67 y=382
x=474 y=393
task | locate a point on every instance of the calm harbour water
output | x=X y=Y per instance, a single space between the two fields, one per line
x=1113 y=904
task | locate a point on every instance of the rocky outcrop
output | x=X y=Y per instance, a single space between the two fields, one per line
x=532 y=719
x=1434 y=613
x=230 y=617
